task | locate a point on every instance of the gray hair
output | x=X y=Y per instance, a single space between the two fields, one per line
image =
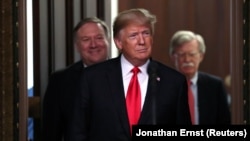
x=183 y=36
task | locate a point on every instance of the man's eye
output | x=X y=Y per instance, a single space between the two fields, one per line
x=146 y=34
x=85 y=39
x=132 y=36
x=192 y=54
x=100 y=37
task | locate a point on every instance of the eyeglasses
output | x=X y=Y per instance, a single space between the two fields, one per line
x=183 y=55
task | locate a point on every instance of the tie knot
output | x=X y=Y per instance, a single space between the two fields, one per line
x=135 y=70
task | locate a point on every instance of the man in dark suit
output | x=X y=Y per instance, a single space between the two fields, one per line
x=91 y=40
x=101 y=110
x=211 y=106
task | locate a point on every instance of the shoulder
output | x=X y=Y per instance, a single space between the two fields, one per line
x=77 y=66
x=208 y=77
x=170 y=78
x=73 y=69
x=165 y=69
x=105 y=66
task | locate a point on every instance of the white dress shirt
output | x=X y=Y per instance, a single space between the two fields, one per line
x=142 y=77
x=194 y=88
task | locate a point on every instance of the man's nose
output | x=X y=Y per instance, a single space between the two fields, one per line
x=93 y=43
x=141 y=39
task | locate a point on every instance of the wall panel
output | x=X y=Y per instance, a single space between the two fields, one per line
x=217 y=22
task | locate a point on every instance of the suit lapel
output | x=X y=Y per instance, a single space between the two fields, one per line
x=202 y=93
x=117 y=92
x=148 y=114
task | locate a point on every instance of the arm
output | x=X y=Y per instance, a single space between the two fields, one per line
x=224 y=114
x=183 y=114
x=80 y=118
x=52 y=124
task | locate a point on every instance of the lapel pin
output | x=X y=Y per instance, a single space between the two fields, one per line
x=158 y=78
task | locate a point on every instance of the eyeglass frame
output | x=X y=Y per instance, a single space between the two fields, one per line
x=184 y=54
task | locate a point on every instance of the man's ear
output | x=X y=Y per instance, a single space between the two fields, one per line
x=202 y=56
x=172 y=57
x=77 y=47
x=118 y=43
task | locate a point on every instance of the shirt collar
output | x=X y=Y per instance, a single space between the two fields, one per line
x=195 y=78
x=127 y=66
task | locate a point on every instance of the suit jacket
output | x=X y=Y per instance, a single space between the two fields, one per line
x=213 y=104
x=58 y=102
x=100 y=112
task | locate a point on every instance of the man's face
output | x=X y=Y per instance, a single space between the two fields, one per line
x=92 y=43
x=187 y=58
x=135 y=41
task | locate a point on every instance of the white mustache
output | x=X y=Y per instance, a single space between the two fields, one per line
x=187 y=64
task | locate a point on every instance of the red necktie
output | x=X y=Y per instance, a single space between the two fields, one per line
x=191 y=101
x=133 y=99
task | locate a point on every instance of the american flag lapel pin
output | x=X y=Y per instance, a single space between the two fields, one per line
x=158 y=79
